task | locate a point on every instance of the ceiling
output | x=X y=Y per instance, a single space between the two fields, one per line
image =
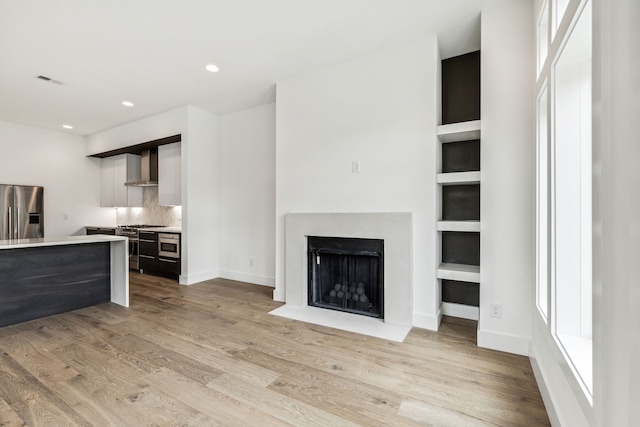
x=153 y=52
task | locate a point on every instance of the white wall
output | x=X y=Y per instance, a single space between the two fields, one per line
x=161 y=125
x=200 y=197
x=56 y=161
x=507 y=207
x=247 y=195
x=616 y=296
x=379 y=109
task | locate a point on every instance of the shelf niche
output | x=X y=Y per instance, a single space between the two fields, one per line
x=460 y=248
x=462 y=156
x=457 y=292
x=461 y=202
x=461 y=88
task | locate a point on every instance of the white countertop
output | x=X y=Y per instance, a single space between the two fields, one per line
x=58 y=241
x=163 y=229
x=154 y=229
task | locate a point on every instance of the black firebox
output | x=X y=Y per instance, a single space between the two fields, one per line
x=347 y=274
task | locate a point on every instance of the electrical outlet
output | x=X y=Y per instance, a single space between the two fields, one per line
x=250 y=262
x=65 y=217
x=355 y=166
x=496 y=310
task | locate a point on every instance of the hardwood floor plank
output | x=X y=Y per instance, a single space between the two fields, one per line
x=31 y=400
x=211 y=354
x=168 y=359
x=218 y=406
x=205 y=352
x=437 y=416
x=9 y=417
x=275 y=404
x=348 y=399
x=38 y=362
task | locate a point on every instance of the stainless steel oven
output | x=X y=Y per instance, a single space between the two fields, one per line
x=132 y=234
x=169 y=245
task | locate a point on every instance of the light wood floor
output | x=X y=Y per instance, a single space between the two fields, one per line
x=210 y=354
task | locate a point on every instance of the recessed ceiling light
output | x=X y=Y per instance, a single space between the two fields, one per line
x=212 y=68
x=67 y=126
x=127 y=103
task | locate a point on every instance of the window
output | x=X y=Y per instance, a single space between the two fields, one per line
x=542 y=229
x=558 y=10
x=564 y=189
x=543 y=35
x=571 y=186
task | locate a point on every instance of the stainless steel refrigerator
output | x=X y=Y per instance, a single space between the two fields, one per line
x=22 y=212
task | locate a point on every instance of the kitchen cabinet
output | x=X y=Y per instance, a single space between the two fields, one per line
x=169 y=267
x=114 y=172
x=148 y=252
x=152 y=261
x=101 y=230
x=170 y=175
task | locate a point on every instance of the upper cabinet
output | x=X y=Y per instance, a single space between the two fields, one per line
x=115 y=171
x=170 y=175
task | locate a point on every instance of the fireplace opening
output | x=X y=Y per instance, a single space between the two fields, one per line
x=347 y=274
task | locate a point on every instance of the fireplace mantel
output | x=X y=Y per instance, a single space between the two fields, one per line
x=396 y=229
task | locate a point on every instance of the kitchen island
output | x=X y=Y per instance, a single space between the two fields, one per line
x=46 y=276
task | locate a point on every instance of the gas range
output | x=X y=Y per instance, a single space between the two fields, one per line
x=140 y=226
x=131 y=231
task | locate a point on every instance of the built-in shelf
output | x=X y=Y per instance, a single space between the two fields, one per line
x=458 y=187
x=461 y=272
x=460 y=310
x=458 y=178
x=455 y=132
x=470 y=226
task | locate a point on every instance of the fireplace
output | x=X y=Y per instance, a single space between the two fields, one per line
x=395 y=229
x=346 y=274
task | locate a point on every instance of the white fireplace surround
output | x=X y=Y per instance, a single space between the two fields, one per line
x=396 y=229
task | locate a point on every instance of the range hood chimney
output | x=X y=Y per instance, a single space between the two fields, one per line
x=148 y=170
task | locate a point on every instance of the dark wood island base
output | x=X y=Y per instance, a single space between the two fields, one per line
x=39 y=281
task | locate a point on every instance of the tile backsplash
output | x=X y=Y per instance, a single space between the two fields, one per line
x=151 y=212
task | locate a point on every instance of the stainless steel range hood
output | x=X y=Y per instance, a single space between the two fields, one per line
x=148 y=170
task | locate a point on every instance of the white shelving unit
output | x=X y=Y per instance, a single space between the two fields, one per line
x=459 y=187
x=455 y=132
x=460 y=272
x=458 y=178
x=469 y=226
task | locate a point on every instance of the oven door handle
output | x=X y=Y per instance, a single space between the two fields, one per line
x=168 y=260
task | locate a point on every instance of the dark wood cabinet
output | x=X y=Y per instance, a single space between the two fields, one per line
x=169 y=267
x=148 y=252
x=151 y=262
x=101 y=230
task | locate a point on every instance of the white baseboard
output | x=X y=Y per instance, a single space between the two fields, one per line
x=248 y=278
x=278 y=294
x=460 y=310
x=503 y=342
x=544 y=391
x=427 y=321
x=192 y=279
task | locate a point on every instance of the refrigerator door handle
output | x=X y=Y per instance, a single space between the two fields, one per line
x=17 y=236
x=10 y=231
